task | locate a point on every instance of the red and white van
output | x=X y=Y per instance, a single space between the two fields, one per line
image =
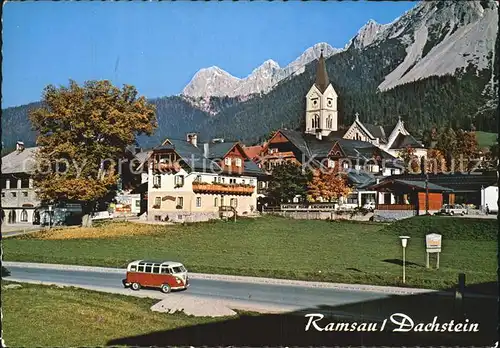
x=166 y=275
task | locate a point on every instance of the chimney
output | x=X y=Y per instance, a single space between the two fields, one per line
x=192 y=138
x=19 y=146
x=205 y=150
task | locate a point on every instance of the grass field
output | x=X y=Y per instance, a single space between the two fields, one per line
x=486 y=139
x=346 y=252
x=38 y=315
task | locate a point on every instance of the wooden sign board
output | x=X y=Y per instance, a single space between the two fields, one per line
x=433 y=243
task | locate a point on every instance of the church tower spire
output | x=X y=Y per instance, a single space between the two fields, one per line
x=321 y=103
x=322 y=80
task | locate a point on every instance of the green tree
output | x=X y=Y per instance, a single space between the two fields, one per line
x=446 y=144
x=83 y=133
x=288 y=180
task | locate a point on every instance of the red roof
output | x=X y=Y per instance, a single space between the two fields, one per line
x=253 y=151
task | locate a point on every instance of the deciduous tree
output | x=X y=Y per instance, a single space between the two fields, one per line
x=288 y=181
x=83 y=132
x=410 y=159
x=327 y=185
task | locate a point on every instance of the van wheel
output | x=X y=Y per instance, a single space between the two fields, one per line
x=165 y=288
x=135 y=286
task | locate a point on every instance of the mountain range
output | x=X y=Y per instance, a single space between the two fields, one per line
x=433 y=66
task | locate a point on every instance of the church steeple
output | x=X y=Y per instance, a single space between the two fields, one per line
x=322 y=80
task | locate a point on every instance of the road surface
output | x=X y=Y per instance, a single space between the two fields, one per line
x=285 y=297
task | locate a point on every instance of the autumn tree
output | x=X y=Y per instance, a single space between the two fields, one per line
x=83 y=132
x=446 y=144
x=435 y=162
x=410 y=159
x=327 y=185
x=288 y=180
x=466 y=150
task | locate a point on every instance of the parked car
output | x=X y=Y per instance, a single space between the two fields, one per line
x=453 y=209
x=166 y=275
x=369 y=206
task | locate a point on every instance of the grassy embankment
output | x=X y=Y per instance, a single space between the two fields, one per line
x=39 y=315
x=346 y=252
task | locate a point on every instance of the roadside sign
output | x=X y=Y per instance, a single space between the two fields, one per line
x=433 y=243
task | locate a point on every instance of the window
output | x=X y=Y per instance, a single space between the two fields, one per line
x=243 y=181
x=251 y=181
x=331 y=163
x=238 y=162
x=148 y=268
x=222 y=180
x=137 y=203
x=3 y=194
x=198 y=202
x=140 y=268
x=329 y=101
x=157 y=217
x=157 y=204
x=234 y=202
x=216 y=202
x=157 y=181
x=24 y=215
x=165 y=270
x=14 y=194
x=180 y=202
x=179 y=180
x=133 y=268
x=198 y=178
x=232 y=181
x=25 y=193
x=316 y=121
x=156 y=268
x=227 y=161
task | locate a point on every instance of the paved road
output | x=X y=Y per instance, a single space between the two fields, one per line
x=285 y=297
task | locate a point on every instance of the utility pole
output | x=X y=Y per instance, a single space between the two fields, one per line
x=426 y=193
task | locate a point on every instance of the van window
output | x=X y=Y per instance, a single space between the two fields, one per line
x=165 y=270
x=133 y=268
x=148 y=268
x=156 y=269
x=140 y=268
x=177 y=269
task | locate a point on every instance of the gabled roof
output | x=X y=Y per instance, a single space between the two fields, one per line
x=194 y=156
x=360 y=178
x=419 y=185
x=219 y=150
x=375 y=131
x=19 y=161
x=309 y=145
x=458 y=182
x=403 y=141
x=253 y=151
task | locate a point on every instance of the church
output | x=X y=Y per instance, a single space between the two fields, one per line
x=366 y=152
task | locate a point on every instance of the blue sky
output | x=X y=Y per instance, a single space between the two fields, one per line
x=158 y=47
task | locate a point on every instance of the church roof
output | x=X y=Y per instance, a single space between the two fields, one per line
x=310 y=146
x=322 y=80
x=402 y=141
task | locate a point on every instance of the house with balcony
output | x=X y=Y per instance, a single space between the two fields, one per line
x=190 y=182
x=19 y=199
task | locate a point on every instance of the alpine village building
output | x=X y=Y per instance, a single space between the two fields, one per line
x=366 y=152
x=189 y=182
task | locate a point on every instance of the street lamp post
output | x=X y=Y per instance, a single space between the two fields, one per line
x=404 y=242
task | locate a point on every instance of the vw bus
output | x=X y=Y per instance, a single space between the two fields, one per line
x=166 y=275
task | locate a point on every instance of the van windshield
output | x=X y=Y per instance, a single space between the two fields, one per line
x=178 y=269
